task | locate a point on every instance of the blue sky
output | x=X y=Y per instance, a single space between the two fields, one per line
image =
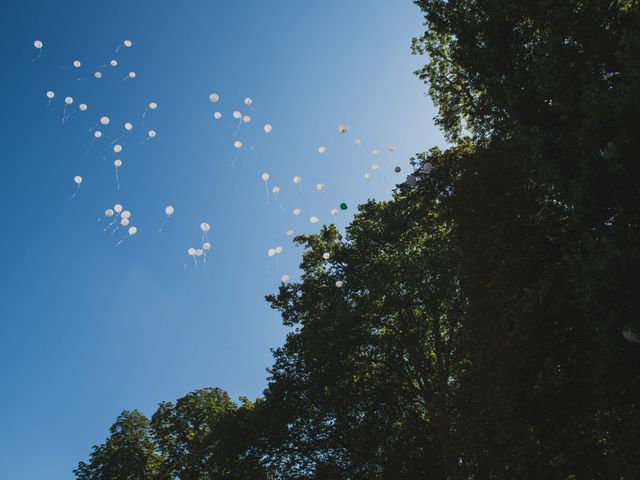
x=88 y=329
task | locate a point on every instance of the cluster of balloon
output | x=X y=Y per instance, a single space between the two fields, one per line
x=274 y=252
x=206 y=245
x=242 y=119
x=121 y=219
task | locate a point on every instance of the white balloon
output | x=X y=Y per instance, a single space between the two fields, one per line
x=108 y=212
x=83 y=107
x=357 y=141
x=276 y=189
x=296 y=212
x=77 y=179
x=334 y=212
x=97 y=134
x=290 y=233
x=98 y=74
x=117 y=207
x=314 y=220
x=124 y=221
x=326 y=255
x=237 y=144
x=284 y=278
x=50 y=94
x=392 y=148
x=322 y=149
x=375 y=152
x=153 y=105
x=132 y=74
x=319 y=186
x=68 y=100
x=117 y=163
x=248 y=101
x=199 y=252
x=133 y=230
x=214 y=97
x=76 y=63
x=113 y=63
x=237 y=115
x=339 y=283
x=104 y=120
x=217 y=115
x=342 y=128
x=127 y=43
x=151 y=133
x=397 y=169
x=205 y=227
x=126 y=214
x=206 y=246
x=37 y=44
x=297 y=180
x=367 y=176
x=427 y=167
x=265 y=177
x=279 y=250
x=192 y=252
x=267 y=128
x=411 y=180
x=169 y=210
x=375 y=167
x=246 y=119
x=128 y=126
x=271 y=252
x=117 y=148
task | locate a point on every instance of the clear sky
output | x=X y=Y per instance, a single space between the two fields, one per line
x=88 y=329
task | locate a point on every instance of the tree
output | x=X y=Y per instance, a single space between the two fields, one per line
x=203 y=436
x=128 y=454
x=365 y=384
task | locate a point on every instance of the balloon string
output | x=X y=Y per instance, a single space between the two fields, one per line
x=64 y=113
x=89 y=147
x=238 y=127
x=37 y=56
x=75 y=193
x=144 y=114
x=266 y=187
x=115 y=140
x=115 y=230
x=117 y=180
x=234 y=160
x=278 y=200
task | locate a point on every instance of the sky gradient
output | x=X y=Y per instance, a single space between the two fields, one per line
x=88 y=329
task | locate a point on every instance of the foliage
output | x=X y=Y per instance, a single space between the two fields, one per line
x=477 y=330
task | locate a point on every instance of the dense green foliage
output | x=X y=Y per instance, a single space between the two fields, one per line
x=479 y=332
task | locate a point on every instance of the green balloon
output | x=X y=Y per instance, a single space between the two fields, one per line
x=343 y=206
